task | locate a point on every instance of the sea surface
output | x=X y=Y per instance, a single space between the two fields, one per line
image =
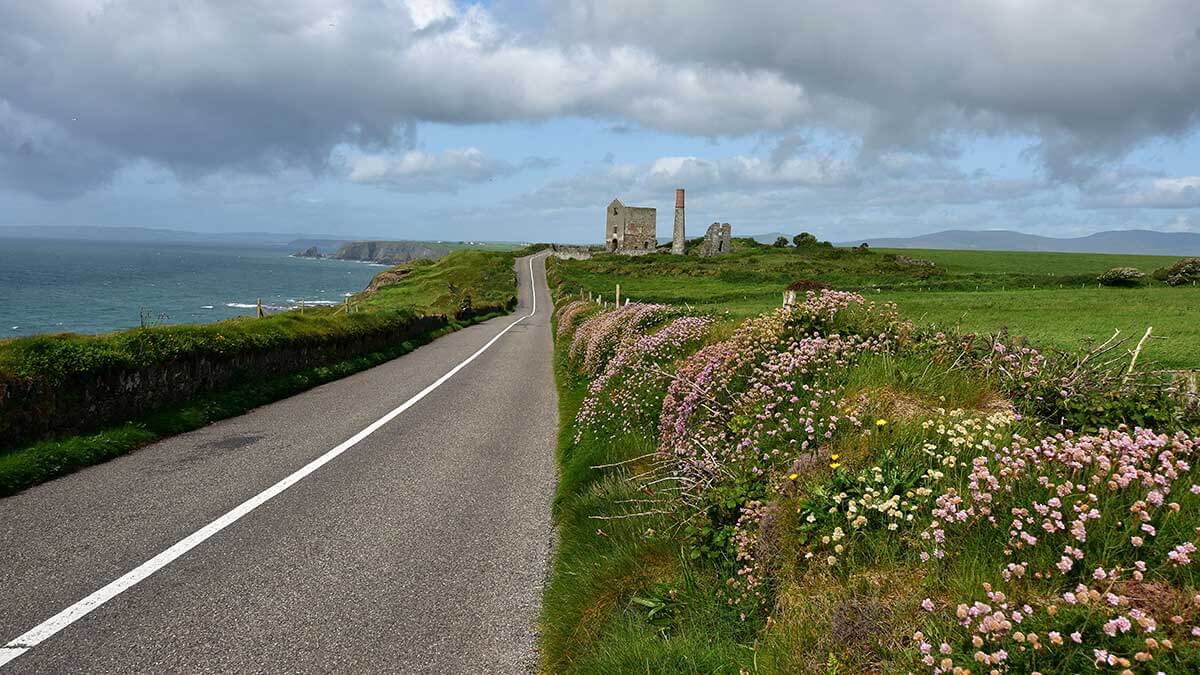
x=54 y=286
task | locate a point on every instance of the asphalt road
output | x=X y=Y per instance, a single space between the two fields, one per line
x=422 y=548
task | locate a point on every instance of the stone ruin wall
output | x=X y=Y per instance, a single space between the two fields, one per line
x=570 y=252
x=718 y=240
x=640 y=229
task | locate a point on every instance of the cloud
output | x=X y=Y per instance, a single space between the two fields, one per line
x=263 y=88
x=1085 y=81
x=419 y=171
x=252 y=86
x=1182 y=192
x=810 y=180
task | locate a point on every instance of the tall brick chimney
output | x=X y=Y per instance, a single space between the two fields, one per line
x=677 y=236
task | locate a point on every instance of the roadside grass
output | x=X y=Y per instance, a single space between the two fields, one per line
x=1050 y=297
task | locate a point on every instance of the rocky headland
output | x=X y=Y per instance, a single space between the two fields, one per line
x=382 y=252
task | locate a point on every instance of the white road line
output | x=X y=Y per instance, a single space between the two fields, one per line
x=70 y=615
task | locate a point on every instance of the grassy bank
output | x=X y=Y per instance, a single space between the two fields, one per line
x=468 y=286
x=832 y=489
x=1048 y=296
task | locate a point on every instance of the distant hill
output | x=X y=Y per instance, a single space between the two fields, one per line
x=1142 y=242
x=153 y=235
x=769 y=237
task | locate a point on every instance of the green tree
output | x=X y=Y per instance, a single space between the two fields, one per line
x=781 y=242
x=804 y=239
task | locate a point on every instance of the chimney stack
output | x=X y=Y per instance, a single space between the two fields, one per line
x=677 y=236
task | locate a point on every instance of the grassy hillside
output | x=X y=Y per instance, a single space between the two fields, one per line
x=1051 y=297
x=478 y=277
x=832 y=489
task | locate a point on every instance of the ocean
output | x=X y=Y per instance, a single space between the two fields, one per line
x=54 y=286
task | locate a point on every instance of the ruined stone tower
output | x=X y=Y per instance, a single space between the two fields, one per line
x=677 y=236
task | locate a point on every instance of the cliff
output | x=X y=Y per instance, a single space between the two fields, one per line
x=389 y=252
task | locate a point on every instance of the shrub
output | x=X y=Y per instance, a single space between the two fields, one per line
x=807 y=285
x=1122 y=276
x=1185 y=271
x=781 y=242
x=804 y=239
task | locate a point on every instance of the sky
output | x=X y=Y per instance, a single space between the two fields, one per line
x=520 y=120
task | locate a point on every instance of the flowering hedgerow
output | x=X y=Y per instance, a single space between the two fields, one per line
x=1088 y=524
x=627 y=395
x=896 y=493
x=597 y=338
x=740 y=411
x=710 y=374
x=1083 y=545
x=570 y=314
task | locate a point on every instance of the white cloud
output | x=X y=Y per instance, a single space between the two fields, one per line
x=419 y=171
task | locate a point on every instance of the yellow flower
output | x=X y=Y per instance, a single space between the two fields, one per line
x=834 y=457
x=835 y=465
x=881 y=422
x=793 y=476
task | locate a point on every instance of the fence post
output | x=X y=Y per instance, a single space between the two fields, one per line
x=261 y=313
x=617 y=301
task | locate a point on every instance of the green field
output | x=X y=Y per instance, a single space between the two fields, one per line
x=1052 y=298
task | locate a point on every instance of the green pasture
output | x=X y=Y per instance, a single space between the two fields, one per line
x=1052 y=298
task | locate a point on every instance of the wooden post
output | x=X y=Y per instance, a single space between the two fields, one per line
x=617 y=302
x=261 y=313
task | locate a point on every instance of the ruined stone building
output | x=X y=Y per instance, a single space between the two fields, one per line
x=630 y=229
x=633 y=230
x=717 y=240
